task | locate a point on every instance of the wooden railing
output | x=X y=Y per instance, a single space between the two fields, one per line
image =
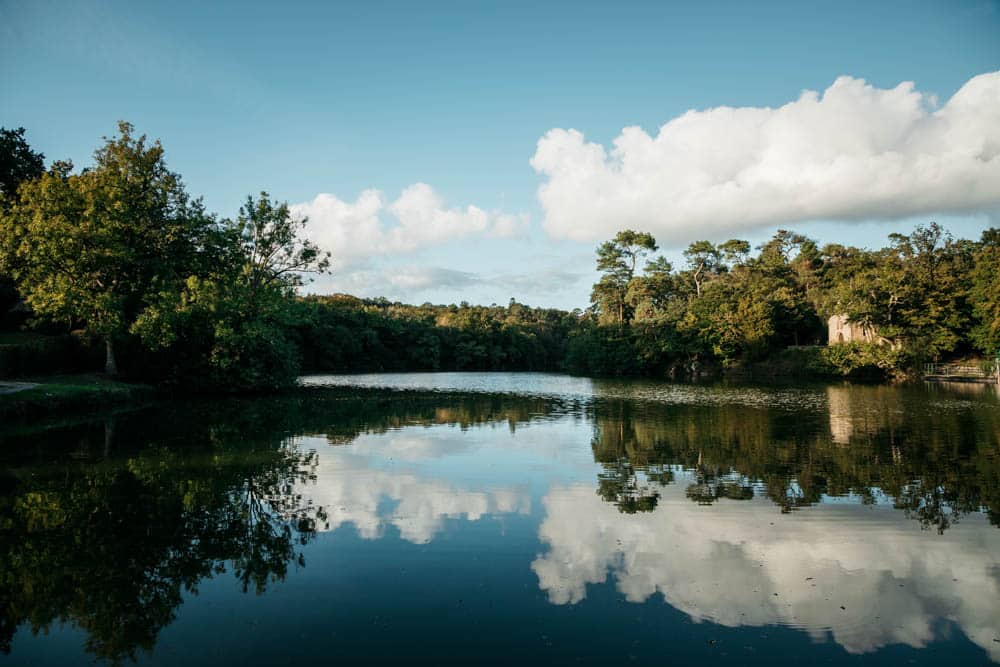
x=961 y=370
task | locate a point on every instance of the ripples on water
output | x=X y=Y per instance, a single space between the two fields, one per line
x=530 y=517
x=951 y=396
x=551 y=385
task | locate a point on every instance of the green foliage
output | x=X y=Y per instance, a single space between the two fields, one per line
x=913 y=292
x=18 y=163
x=343 y=333
x=203 y=338
x=617 y=260
x=984 y=294
x=704 y=260
x=231 y=329
x=863 y=360
x=121 y=250
x=92 y=247
x=603 y=350
x=925 y=296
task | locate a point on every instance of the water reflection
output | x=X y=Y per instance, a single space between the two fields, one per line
x=858 y=574
x=876 y=443
x=108 y=525
x=111 y=540
x=865 y=520
x=864 y=578
x=356 y=491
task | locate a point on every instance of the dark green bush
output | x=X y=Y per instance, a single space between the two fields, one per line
x=863 y=360
x=29 y=354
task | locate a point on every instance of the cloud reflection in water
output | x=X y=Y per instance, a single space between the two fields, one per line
x=865 y=576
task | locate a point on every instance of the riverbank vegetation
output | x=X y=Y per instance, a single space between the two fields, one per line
x=118 y=262
x=923 y=297
x=122 y=253
x=67 y=394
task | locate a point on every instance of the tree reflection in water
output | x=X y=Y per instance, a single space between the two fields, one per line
x=109 y=525
x=934 y=464
x=111 y=540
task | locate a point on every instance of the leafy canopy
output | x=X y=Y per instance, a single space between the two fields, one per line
x=89 y=247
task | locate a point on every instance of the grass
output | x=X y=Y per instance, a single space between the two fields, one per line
x=20 y=337
x=63 y=393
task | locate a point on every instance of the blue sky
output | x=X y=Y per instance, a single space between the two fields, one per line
x=338 y=99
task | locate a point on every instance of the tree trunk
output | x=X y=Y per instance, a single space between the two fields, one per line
x=110 y=365
x=109 y=434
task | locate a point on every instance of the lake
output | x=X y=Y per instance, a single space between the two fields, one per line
x=498 y=518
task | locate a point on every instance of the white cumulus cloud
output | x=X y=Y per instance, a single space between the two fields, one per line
x=854 y=152
x=373 y=226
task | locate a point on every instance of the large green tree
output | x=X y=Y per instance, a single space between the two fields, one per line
x=229 y=326
x=704 y=262
x=617 y=260
x=913 y=291
x=92 y=247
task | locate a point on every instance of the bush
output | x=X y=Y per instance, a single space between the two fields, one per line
x=603 y=351
x=32 y=354
x=863 y=360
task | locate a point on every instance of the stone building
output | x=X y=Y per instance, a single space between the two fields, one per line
x=842 y=331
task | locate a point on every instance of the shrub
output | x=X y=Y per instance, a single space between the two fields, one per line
x=863 y=360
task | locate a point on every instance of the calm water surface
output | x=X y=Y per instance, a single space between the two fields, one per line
x=492 y=518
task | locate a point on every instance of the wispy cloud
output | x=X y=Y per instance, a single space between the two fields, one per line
x=372 y=226
x=854 y=152
x=420 y=283
x=538 y=282
x=397 y=282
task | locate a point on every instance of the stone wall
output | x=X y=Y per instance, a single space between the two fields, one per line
x=842 y=331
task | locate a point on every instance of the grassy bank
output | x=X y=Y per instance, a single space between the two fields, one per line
x=61 y=394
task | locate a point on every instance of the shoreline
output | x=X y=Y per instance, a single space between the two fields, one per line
x=46 y=396
x=74 y=395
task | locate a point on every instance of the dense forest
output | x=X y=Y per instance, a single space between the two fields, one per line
x=117 y=261
x=924 y=297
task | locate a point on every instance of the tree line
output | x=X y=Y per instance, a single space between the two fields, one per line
x=120 y=253
x=345 y=333
x=923 y=297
